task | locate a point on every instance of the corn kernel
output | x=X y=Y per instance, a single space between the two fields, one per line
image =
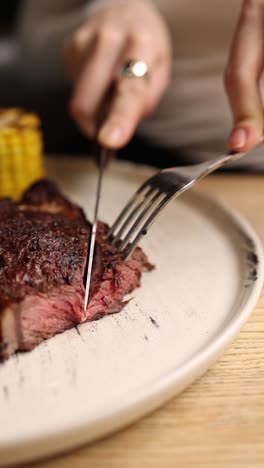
x=21 y=151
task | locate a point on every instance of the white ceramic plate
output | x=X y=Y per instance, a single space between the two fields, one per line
x=96 y=378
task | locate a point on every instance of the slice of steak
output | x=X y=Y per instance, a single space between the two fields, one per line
x=43 y=254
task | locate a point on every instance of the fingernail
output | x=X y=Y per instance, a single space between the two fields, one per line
x=238 y=138
x=110 y=135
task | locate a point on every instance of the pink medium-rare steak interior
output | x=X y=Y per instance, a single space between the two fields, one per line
x=43 y=254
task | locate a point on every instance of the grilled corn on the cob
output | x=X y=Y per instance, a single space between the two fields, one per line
x=21 y=160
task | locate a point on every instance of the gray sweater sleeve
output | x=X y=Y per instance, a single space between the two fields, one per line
x=41 y=30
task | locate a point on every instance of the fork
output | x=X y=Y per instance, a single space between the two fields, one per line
x=153 y=195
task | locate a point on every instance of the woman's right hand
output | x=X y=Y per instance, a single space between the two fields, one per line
x=117 y=31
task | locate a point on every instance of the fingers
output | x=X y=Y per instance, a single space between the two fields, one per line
x=111 y=36
x=94 y=80
x=134 y=98
x=242 y=77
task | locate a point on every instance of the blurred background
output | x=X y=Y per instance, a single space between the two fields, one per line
x=61 y=135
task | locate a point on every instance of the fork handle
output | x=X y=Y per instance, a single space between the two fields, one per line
x=201 y=170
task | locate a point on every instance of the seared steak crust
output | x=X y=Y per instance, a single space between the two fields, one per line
x=41 y=247
x=43 y=253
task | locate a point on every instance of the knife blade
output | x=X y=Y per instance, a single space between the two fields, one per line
x=102 y=161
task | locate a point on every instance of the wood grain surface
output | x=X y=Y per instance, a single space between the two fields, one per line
x=219 y=421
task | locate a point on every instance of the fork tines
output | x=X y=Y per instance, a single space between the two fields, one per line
x=136 y=217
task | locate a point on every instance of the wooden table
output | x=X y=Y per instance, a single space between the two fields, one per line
x=219 y=420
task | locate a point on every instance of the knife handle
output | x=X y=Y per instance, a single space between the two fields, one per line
x=101 y=152
x=103 y=156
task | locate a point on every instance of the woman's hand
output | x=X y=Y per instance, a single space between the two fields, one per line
x=242 y=77
x=115 y=32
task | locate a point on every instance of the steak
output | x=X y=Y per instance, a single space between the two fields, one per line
x=43 y=254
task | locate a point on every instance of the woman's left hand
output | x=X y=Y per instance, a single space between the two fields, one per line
x=242 y=77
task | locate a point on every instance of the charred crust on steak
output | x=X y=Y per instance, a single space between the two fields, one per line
x=43 y=253
x=40 y=248
x=44 y=191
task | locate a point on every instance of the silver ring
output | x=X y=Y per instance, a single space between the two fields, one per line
x=134 y=69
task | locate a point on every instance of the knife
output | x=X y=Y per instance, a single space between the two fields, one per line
x=104 y=156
